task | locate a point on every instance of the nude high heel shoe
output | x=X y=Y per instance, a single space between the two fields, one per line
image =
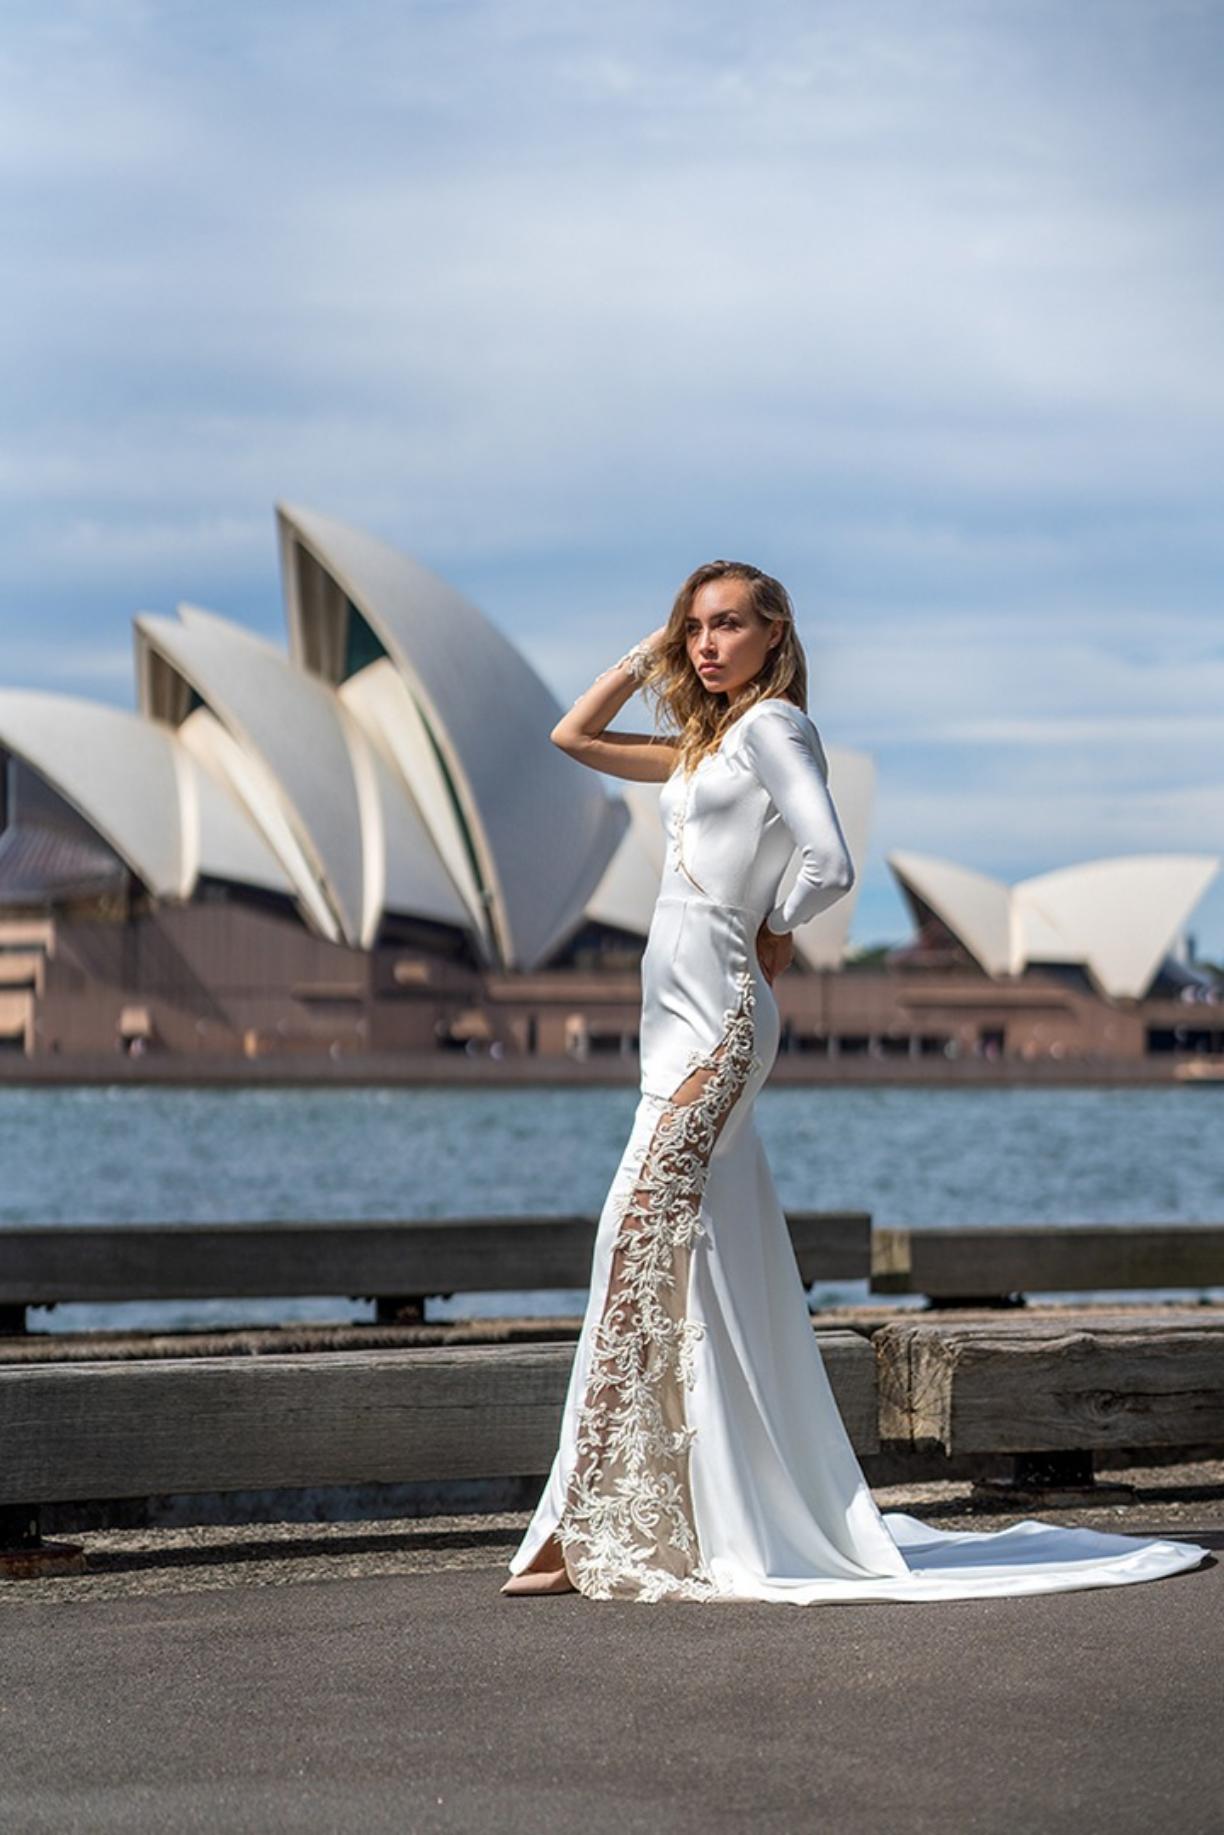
x=546 y=1580
x=543 y=1579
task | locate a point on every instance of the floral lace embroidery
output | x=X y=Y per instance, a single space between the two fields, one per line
x=627 y=1528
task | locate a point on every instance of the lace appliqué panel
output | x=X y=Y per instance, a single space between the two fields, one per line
x=627 y=1527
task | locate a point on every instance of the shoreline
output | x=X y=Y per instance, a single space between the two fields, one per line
x=426 y=1070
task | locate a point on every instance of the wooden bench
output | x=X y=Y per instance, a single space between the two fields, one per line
x=984 y=1265
x=397 y=1264
x=70 y=1433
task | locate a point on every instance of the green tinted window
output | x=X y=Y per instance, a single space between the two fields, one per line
x=361 y=647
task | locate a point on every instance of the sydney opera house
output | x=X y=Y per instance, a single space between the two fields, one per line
x=365 y=843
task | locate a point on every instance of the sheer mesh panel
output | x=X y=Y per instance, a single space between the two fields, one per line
x=627 y=1526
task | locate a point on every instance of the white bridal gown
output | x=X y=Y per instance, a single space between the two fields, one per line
x=702 y=1455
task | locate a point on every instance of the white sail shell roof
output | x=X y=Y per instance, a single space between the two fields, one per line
x=427 y=871
x=625 y=895
x=975 y=907
x=246 y=784
x=292 y=724
x=404 y=873
x=1118 y=917
x=332 y=813
x=538 y=837
x=161 y=809
x=1122 y=914
x=121 y=773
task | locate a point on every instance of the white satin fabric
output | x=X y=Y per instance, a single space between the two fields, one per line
x=702 y=1455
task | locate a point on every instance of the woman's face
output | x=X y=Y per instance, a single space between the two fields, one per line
x=727 y=640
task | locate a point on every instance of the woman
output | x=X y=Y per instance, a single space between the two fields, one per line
x=702 y=1455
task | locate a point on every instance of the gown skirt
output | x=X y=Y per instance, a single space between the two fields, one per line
x=702 y=1455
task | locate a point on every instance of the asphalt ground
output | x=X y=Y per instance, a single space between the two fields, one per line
x=371 y=1677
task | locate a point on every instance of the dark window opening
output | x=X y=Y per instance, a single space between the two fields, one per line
x=599 y=946
x=1201 y=1041
x=611 y=1044
x=1067 y=974
x=362 y=645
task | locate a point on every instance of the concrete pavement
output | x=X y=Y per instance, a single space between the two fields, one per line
x=425 y=1701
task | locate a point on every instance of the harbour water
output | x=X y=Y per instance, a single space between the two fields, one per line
x=908 y=1156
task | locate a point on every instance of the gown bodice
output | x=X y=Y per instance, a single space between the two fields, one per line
x=732 y=826
x=734 y=823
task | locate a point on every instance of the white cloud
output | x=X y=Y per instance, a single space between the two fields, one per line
x=1014 y=833
x=98 y=666
x=1139 y=730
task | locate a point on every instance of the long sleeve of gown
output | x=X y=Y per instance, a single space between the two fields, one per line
x=787 y=757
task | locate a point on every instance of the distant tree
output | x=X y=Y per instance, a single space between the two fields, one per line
x=869 y=956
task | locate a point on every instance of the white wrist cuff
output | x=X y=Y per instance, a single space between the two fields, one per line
x=637 y=661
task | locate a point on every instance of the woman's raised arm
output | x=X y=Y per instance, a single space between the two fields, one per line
x=582 y=732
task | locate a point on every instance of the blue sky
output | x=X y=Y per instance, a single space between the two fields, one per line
x=917 y=306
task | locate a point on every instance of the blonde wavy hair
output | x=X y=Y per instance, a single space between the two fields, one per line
x=699 y=718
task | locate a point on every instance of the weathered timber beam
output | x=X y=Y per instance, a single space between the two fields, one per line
x=71 y=1432
x=113 y=1263
x=1035 y=1385
x=979 y=1261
